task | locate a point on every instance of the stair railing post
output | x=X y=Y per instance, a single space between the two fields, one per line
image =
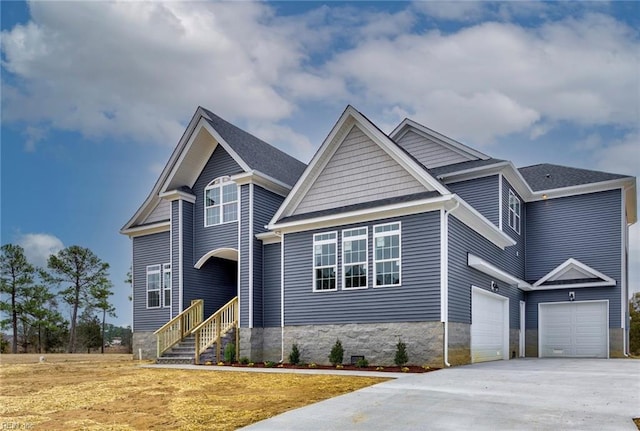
x=218 y=340
x=237 y=328
x=197 y=355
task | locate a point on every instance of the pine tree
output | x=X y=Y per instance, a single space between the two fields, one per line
x=401 y=354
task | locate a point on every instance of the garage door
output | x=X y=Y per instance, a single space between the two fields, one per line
x=489 y=326
x=574 y=329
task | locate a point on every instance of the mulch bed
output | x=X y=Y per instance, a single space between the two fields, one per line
x=390 y=369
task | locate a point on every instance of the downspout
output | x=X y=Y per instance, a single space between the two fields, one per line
x=445 y=238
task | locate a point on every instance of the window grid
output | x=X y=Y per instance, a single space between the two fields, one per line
x=514 y=212
x=387 y=254
x=325 y=265
x=153 y=286
x=166 y=284
x=354 y=258
x=220 y=202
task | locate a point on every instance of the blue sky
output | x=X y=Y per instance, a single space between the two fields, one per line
x=95 y=95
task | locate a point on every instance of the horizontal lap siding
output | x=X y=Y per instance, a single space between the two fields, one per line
x=160 y=212
x=515 y=255
x=482 y=194
x=272 y=291
x=244 y=257
x=148 y=250
x=587 y=228
x=417 y=299
x=429 y=153
x=463 y=240
x=359 y=171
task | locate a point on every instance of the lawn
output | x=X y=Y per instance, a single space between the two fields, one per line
x=110 y=392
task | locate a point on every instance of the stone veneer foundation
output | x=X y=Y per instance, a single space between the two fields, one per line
x=146 y=341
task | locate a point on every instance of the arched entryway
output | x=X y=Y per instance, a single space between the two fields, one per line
x=215 y=278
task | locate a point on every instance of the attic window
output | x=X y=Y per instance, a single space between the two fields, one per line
x=220 y=202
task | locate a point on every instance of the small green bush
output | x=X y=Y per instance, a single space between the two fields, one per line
x=337 y=353
x=269 y=364
x=362 y=363
x=294 y=356
x=401 y=354
x=230 y=352
x=244 y=360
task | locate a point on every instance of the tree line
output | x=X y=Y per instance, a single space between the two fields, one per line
x=32 y=298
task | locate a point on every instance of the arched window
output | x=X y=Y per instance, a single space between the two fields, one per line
x=220 y=202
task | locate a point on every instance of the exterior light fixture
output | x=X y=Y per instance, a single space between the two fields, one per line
x=544 y=196
x=572 y=296
x=494 y=286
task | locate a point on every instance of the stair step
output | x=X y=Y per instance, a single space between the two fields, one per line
x=175 y=360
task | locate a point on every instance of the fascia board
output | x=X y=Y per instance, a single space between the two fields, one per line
x=133 y=232
x=262 y=180
x=395 y=210
x=485 y=267
x=574 y=263
x=479 y=223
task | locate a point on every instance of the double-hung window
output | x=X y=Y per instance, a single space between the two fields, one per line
x=153 y=286
x=166 y=284
x=387 y=254
x=220 y=202
x=325 y=262
x=354 y=258
x=514 y=211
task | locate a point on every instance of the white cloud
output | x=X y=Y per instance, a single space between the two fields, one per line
x=39 y=246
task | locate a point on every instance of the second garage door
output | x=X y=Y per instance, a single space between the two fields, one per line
x=574 y=329
x=489 y=326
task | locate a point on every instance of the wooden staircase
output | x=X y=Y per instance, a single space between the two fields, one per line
x=188 y=339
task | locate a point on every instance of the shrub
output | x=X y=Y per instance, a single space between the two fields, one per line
x=244 y=360
x=269 y=364
x=362 y=363
x=401 y=354
x=337 y=353
x=230 y=352
x=294 y=356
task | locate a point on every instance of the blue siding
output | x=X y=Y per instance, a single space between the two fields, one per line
x=464 y=240
x=516 y=254
x=271 y=285
x=148 y=250
x=482 y=194
x=223 y=235
x=418 y=299
x=244 y=257
x=587 y=228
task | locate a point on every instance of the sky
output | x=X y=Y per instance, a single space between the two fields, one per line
x=95 y=95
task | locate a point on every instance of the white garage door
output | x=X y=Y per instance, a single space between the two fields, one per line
x=489 y=326
x=574 y=329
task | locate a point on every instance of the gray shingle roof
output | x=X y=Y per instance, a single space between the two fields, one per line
x=546 y=176
x=463 y=166
x=361 y=206
x=258 y=154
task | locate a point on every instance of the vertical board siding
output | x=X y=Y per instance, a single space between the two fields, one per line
x=218 y=236
x=160 y=212
x=244 y=257
x=464 y=240
x=359 y=171
x=417 y=299
x=148 y=250
x=175 y=247
x=516 y=254
x=585 y=227
x=271 y=285
x=482 y=194
x=428 y=152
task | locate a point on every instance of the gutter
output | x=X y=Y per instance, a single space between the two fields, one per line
x=445 y=322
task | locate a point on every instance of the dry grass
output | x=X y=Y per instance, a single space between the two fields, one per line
x=109 y=392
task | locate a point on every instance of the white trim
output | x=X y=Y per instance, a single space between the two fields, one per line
x=500 y=210
x=540 y=332
x=505 y=322
x=517 y=215
x=333 y=241
x=482 y=265
x=263 y=180
x=473 y=173
x=361 y=237
x=250 y=239
x=479 y=223
x=133 y=289
x=222 y=253
x=174 y=195
x=623 y=269
x=268 y=237
x=239 y=244
x=220 y=183
x=180 y=253
x=377 y=235
x=444 y=267
x=164 y=271
x=452 y=144
x=569 y=264
x=171 y=255
x=523 y=327
x=282 y=298
x=159 y=289
x=149 y=229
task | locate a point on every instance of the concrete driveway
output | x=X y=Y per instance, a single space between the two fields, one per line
x=521 y=394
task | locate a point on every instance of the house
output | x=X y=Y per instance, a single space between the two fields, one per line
x=410 y=236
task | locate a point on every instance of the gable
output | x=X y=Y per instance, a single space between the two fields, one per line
x=159 y=213
x=431 y=153
x=359 y=171
x=573 y=273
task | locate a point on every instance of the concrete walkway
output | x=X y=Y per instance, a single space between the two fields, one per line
x=522 y=394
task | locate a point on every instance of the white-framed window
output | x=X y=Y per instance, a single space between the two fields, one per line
x=154 y=282
x=220 y=202
x=354 y=258
x=514 y=211
x=387 y=254
x=325 y=261
x=166 y=285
